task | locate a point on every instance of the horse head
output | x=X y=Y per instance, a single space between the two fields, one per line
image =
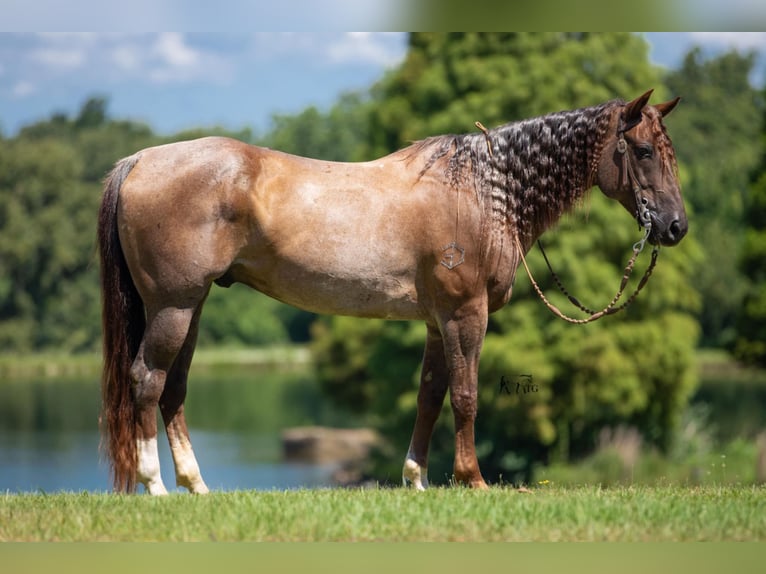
x=638 y=168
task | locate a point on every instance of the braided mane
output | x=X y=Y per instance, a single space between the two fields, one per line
x=537 y=170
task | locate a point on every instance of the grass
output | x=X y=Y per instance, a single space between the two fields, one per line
x=58 y=364
x=550 y=513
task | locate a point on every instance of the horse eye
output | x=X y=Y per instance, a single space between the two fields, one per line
x=644 y=152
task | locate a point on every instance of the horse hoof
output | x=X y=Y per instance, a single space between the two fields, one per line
x=414 y=474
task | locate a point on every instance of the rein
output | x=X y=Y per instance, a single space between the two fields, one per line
x=644 y=218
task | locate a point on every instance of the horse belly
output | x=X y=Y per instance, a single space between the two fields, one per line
x=367 y=290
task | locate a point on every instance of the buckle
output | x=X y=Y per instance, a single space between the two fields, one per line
x=622 y=145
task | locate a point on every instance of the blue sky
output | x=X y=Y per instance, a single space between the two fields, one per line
x=174 y=81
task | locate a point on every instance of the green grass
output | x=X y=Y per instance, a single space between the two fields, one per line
x=58 y=364
x=550 y=513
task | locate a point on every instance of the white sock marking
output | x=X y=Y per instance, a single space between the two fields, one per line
x=187 y=469
x=149 y=466
x=414 y=473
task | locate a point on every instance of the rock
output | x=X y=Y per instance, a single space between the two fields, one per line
x=324 y=445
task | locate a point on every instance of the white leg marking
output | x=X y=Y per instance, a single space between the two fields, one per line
x=414 y=473
x=149 y=466
x=187 y=469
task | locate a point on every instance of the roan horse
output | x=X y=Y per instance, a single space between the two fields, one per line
x=429 y=232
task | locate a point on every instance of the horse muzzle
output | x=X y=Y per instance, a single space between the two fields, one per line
x=668 y=233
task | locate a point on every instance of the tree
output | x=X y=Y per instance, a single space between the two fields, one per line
x=636 y=369
x=335 y=135
x=50 y=189
x=42 y=210
x=750 y=345
x=715 y=139
x=50 y=181
x=449 y=81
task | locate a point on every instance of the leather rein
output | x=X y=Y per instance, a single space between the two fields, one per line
x=644 y=219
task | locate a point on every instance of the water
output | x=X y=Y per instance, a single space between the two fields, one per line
x=49 y=437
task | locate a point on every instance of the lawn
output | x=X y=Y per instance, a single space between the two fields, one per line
x=548 y=513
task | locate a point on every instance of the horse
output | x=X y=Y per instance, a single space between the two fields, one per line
x=432 y=232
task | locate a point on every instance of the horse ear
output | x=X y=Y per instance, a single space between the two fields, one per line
x=632 y=112
x=667 y=107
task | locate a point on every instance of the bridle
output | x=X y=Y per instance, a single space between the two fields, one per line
x=644 y=218
x=643 y=215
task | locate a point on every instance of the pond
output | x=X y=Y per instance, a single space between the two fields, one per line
x=49 y=437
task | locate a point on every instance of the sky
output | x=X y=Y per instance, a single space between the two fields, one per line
x=179 y=80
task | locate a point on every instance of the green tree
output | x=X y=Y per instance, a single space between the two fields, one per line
x=335 y=135
x=449 y=81
x=716 y=139
x=636 y=369
x=50 y=181
x=43 y=207
x=50 y=189
x=750 y=345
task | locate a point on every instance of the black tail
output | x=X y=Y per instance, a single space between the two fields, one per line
x=123 y=322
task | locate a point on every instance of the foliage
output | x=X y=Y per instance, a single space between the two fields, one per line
x=43 y=207
x=335 y=135
x=50 y=189
x=637 y=368
x=751 y=341
x=715 y=134
x=449 y=81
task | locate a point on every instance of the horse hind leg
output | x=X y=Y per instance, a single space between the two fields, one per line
x=165 y=335
x=433 y=388
x=172 y=409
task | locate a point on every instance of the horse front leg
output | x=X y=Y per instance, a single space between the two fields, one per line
x=463 y=337
x=433 y=388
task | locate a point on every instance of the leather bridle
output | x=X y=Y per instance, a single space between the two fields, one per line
x=643 y=215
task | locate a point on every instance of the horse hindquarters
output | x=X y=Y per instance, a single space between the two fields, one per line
x=147 y=348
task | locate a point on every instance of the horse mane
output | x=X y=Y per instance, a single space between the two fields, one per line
x=527 y=173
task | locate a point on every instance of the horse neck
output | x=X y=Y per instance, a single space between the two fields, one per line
x=538 y=169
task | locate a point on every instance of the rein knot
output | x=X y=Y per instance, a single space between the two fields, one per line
x=485 y=131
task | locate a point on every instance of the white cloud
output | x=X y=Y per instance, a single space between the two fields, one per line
x=127 y=57
x=366 y=47
x=63 y=51
x=22 y=89
x=173 y=50
x=173 y=59
x=161 y=58
x=739 y=40
x=60 y=59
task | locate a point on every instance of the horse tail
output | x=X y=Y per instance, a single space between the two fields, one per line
x=123 y=322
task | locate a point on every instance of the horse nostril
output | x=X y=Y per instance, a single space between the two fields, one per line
x=677 y=229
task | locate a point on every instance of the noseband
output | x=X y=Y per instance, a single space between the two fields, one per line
x=644 y=220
